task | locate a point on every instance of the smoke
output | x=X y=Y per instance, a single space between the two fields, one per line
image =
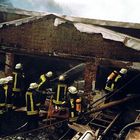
x=39 y=5
x=120 y=10
x=6 y=2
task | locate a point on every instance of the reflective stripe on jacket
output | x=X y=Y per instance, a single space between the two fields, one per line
x=42 y=80
x=16 y=85
x=32 y=102
x=2 y=96
x=110 y=86
x=8 y=94
x=60 y=94
x=2 y=99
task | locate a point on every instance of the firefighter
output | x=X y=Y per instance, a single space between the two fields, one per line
x=32 y=105
x=44 y=81
x=60 y=90
x=44 y=85
x=18 y=86
x=74 y=104
x=115 y=80
x=9 y=93
x=2 y=102
x=8 y=98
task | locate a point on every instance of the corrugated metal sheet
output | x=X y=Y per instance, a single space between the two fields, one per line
x=103 y=22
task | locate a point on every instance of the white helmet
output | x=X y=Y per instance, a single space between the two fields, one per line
x=33 y=85
x=49 y=74
x=3 y=81
x=9 y=78
x=18 y=66
x=72 y=90
x=61 y=78
x=123 y=71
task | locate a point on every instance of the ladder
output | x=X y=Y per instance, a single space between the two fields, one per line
x=105 y=123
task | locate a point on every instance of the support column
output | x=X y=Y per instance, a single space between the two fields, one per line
x=90 y=75
x=9 y=62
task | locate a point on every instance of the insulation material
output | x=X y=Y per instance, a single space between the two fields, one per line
x=87 y=28
x=103 y=22
x=128 y=41
x=58 y=21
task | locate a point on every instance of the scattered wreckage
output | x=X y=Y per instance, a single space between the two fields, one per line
x=99 y=121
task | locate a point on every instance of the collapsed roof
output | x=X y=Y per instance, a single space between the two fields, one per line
x=84 y=25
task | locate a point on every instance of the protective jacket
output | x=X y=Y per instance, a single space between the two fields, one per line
x=113 y=83
x=2 y=100
x=73 y=113
x=60 y=93
x=18 y=81
x=9 y=95
x=32 y=101
x=44 y=82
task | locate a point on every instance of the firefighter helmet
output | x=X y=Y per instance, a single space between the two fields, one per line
x=3 y=81
x=72 y=90
x=61 y=78
x=33 y=86
x=49 y=74
x=9 y=78
x=18 y=66
x=123 y=71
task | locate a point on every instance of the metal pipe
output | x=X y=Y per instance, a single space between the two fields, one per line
x=127 y=128
x=111 y=104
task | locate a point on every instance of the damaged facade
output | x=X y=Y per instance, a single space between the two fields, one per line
x=39 y=35
x=93 y=42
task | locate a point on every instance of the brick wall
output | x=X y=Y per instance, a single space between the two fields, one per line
x=90 y=73
x=42 y=36
x=93 y=68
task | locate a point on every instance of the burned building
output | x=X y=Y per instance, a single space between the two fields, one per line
x=70 y=38
x=41 y=40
